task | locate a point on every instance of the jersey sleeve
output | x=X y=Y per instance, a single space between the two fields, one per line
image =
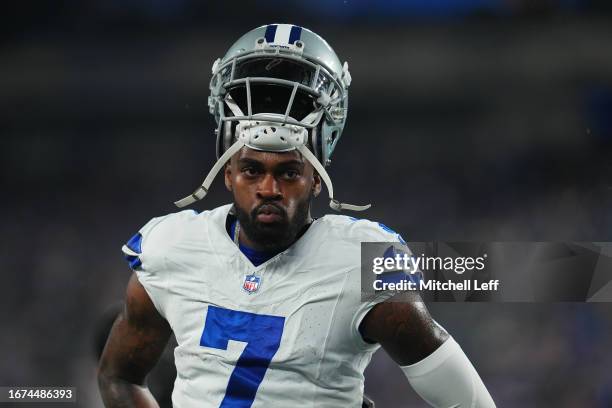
x=146 y=253
x=370 y=231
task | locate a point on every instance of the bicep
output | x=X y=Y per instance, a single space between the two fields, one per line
x=137 y=339
x=405 y=330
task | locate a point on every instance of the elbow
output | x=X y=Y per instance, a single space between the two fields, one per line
x=104 y=379
x=105 y=385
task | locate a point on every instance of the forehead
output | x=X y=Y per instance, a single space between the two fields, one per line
x=269 y=158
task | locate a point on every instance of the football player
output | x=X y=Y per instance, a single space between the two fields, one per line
x=263 y=299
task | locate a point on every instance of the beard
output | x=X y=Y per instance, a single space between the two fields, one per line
x=275 y=235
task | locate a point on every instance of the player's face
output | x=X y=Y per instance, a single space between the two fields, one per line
x=272 y=193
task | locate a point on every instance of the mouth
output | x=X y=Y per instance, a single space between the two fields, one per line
x=269 y=213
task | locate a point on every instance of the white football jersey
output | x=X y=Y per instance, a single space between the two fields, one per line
x=282 y=334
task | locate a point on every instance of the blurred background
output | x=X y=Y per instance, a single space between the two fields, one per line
x=469 y=120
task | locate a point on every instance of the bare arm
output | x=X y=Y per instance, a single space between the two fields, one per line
x=436 y=367
x=404 y=329
x=136 y=341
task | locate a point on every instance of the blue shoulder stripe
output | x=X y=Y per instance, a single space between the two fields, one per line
x=133 y=261
x=398 y=276
x=134 y=244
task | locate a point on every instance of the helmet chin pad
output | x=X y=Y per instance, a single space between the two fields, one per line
x=271 y=136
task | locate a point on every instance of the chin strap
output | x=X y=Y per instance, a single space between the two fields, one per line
x=333 y=203
x=201 y=191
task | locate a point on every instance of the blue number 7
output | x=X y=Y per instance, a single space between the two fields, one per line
x=262 y=333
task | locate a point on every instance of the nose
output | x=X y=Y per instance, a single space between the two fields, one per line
x=269 y=188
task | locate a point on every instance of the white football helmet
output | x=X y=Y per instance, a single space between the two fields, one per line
x=280 y=87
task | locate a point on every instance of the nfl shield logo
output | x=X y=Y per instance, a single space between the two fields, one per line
x=251 y=283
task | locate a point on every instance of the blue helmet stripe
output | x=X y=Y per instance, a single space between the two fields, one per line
x=296 y=32
x=270 y=33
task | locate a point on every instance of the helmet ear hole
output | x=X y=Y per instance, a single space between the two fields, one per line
x=334 y=135
x=227 y=137
x=315 y=142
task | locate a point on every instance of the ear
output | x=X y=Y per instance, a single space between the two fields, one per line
x=316 y=186
x=227 y=173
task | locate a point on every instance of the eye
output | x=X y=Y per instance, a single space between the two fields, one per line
x=291 y=174
x=250 y=171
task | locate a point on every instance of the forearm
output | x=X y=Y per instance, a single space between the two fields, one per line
x=436 y=367
x=118 y=393
x=446 y=378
